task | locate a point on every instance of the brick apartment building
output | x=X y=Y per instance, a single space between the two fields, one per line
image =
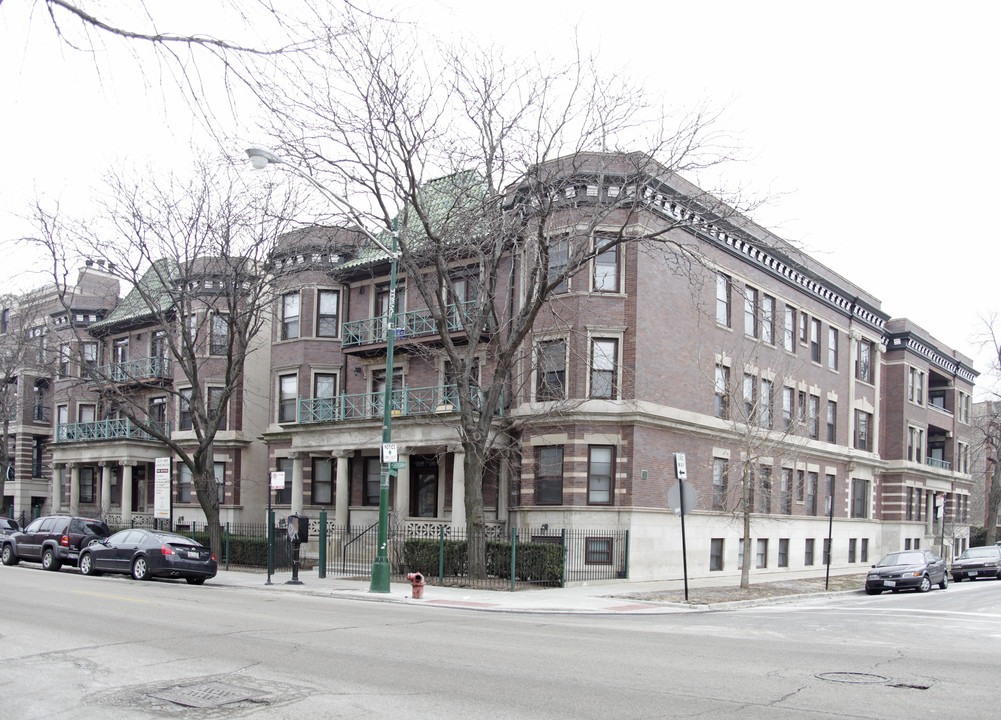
x=785 y=386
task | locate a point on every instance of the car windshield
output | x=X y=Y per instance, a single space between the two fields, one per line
x=902 y=558
x=980 y=552
x=175 y=539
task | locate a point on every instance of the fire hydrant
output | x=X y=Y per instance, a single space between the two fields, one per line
x=417 y=583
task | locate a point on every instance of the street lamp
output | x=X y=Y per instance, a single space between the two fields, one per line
x=260 y=159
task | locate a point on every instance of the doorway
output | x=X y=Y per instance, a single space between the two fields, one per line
x=423 y=486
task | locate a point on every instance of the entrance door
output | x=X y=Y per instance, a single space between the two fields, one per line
x=423 y=486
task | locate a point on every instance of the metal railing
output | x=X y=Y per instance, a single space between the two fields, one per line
x=936 y=463
x=412 y=324
x=408 y=401
x=136 y=370
x=116 y=429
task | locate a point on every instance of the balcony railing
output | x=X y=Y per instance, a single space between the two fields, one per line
x=409 y=401
x=413 y=324
x=136 y=370
x=117 y=429
x=936 y=463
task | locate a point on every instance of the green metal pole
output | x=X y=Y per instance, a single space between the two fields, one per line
x=563 y=542
x=441 y=555
x=322 y=572
x=380 y=567
x=227 y=546
x=514 y=555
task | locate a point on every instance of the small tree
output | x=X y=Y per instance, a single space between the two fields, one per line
x=195 y=255
x=987 y=426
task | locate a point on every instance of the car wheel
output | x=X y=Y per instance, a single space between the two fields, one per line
x=8 y=556
x=195 y=581
x=140 y=570
x=945 y=582
x=87 y=565
x=925 y=585
x=49 y=560
x=872 y=591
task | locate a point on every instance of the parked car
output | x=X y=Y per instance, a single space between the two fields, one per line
x=53 y=540
x=8 y=526
x=908 y=569
x=978 y=562
x=146 y=554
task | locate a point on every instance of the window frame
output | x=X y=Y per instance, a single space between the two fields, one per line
x=546 y=484
x=315 y=482
x=291 y=316
x=724 y=300
x=287 y=402
x=219 y=335
x=717 y=547
x=546 y=391
x=594 y=556
x=598 y=280
x=592 y=477
x=832 y=348
x=324 y=318
x=721 y=480
x=751 y=310
x=611 y=372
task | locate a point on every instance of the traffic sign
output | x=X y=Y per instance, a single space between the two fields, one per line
x=674 y=497
x=390 y=453
x=398 y=465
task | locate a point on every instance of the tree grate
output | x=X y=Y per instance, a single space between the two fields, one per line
x=204 y=695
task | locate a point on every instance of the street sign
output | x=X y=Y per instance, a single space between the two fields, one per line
x=278 y=480
x=674 y=497
x=680 y=469
x=390 y=453
x=399 y=465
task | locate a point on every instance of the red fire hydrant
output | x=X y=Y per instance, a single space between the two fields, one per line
x=417 y=583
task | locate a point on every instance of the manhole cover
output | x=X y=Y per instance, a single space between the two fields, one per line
x=852 y=677
x=205 y=695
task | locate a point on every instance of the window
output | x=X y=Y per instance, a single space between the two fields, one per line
x=559 y=259
x=184 y=486
x=324 y=385
x=552 y=370
x=963 y=458
x=290 y=316
x=808 y=552
x=832 y=348
x=783 y=552
x=322 y=485
x=723 y=285
x=963 y=404
x=598 y=551
x=284 y=496
x=787 y=407
x=785 y=490
x=860 y=498
x=750 y=388
x=740 y=553
x=379 y=391
x=910 y=503
x=765 y=404
x=768 y=319
x=716 y=554
x=864 y=550
x=87 y=485
x=804 y=328
x=217 y=406
x=812 y=479
x=288 y=395
x=38 y=454
x=765 y=496
x=852 y=543
x=373 y=473
x=86 y=413
x=219 y=471
x=814 y=417
x=750 y=311
x=158 y=411
x=184 y=409
x=827 y=551
x=915 y=443
x=801 y=407
x=549 y=476
x=720 y=480
x=863 y=361
x=832 y=421
x=120 y=350
x=88 y=353
x=789 y=330
x=64 y=361
x=722 y=392
x=327 y=304
x=815 y=340
x=219 y=337
x=915 y=386
x=606 y=268
x=158 y=347
x=829 y=503
x=800 y=485
x=603 y=368
x=191 y=328
x=761 y=561
x=600 y=469
x=863 y=430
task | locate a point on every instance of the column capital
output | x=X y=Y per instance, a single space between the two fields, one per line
x=341 y=453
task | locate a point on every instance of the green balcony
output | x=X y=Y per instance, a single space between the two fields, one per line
x=117 y=429
x=413 y=324
x=141 y=370
x=409 y=401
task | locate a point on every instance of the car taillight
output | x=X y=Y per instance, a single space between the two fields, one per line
x=167 y=550
x=64 y=541
x=213 y=557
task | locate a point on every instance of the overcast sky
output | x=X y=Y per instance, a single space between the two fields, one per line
x=871 y=126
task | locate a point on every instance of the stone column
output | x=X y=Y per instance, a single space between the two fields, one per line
x=105 y=488
x=458 y=487
x=503 y=490
x=402 y=500
x=297 y=481
x=74 y=488
x=342 y=495
x=127 y=494
x=57 y=487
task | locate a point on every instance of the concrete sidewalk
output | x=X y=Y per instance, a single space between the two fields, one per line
x=612 y=598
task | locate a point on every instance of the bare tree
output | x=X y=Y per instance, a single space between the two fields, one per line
x=516 y=147
x=195 y=254
x=987 y=425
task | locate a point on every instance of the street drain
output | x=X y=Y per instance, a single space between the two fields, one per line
x=204 y=695
x=852 y=677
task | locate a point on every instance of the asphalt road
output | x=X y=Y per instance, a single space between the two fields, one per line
x=80 y=647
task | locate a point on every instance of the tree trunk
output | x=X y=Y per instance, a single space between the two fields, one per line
x=993 y=500
x=745 y=505
x=205 y=488
x=476 y=528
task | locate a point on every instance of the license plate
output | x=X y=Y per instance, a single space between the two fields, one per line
x=889 y=583
x=193 y=555
x=973 y=573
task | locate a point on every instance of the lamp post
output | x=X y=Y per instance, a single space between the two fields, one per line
x=260 y=159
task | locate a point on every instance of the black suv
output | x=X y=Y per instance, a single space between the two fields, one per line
x=52 y=540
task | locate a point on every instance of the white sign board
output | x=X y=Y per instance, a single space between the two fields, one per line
x=390 y=453
x=161 y=488
x=278 y=480
x=680 y=467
